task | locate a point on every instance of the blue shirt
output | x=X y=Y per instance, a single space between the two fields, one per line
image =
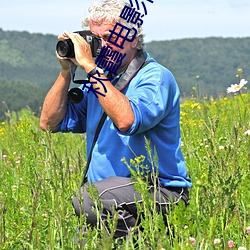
x=154 y=97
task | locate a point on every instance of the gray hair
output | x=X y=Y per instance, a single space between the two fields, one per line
x=110 y=10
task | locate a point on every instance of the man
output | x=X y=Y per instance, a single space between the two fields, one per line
x=146 y=107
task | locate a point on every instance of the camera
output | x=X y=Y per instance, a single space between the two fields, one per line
x=65 y=48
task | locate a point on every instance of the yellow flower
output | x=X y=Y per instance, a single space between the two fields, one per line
x=240 y=70
x=195 y=105
x=132 y=162
x=138 y=160
x=183 y=113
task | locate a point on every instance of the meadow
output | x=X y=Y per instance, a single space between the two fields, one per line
x=40 y=172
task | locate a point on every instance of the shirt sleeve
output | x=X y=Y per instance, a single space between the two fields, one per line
x=152 y=98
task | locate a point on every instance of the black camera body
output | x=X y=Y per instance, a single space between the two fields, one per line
x=65 y=48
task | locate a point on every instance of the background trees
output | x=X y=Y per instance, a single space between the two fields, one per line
x=202 y=67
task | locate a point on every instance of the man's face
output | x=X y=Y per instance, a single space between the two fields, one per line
x=103 y=32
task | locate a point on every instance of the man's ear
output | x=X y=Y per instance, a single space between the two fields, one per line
x=134 y=43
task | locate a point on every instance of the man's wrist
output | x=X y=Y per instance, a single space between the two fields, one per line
x=95 y=71
x=89 y=68
x=65 y=72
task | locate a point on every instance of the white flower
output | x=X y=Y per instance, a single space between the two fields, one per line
x=22 y=210
x=237 y=87
x=247 y=133
x=242 y=248
x=221 y=147
x=217 y=241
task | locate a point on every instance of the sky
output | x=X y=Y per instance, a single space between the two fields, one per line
x=165 y=19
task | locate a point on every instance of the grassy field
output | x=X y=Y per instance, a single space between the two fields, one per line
x=40 y=172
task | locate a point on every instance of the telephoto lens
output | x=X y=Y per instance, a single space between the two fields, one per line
x=65 y=48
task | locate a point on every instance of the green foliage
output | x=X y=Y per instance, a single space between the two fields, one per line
x=208 y=62
x=26 y=57
x=28 y=68
x=203 y=67
x=40 y=172
x=36 y=184
x=14 y=95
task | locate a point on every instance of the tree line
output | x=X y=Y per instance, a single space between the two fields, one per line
x=202 y=67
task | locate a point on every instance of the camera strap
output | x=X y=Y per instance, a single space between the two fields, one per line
x=136 y=64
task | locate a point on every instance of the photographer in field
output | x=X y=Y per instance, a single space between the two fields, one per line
x=140 y=98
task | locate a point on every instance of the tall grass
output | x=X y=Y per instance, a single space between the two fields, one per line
x=40 y=172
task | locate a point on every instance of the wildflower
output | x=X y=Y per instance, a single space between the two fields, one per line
x=137 y=159
x=248 y=230
x=45 y=216
x=247 y=133
x=221 y=147
x=123 y=159
x=195 y=106
x=22 y=210
x=237 y=87
x=216 y=241
x=14 y=188
x=230 y=244
x=132 y=162
x=198 y=182
x=240 y=70
x=242 y=248
x=192 y=240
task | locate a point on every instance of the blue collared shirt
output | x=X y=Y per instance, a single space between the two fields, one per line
x=154 y=97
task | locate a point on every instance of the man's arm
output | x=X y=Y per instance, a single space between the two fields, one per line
x=55 y=103
x=114 y=103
